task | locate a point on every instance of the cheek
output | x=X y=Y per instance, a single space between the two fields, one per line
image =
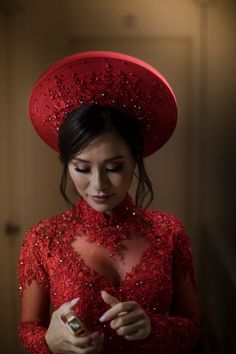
x=80 y=181
x=122 y=180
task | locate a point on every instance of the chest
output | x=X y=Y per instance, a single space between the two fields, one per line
x=139 y=269
x=113 y=266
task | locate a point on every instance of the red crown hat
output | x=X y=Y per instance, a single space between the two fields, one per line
x=106 y=78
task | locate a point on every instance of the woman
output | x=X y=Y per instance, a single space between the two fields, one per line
x=119 y=277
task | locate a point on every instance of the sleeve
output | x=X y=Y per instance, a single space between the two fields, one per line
x=31 y=271
x=32 y=337
x=179 y=331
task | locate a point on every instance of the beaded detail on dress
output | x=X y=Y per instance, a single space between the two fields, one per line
x=47 y=256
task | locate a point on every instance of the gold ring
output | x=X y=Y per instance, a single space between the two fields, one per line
x=73 y=323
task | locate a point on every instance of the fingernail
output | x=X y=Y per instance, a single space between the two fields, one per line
x=103 y=292
x=102 y=318
x=74 y=301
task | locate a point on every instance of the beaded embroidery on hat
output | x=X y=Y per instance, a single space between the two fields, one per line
x=105 y=78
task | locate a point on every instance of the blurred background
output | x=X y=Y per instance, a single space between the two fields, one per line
x=193 y=44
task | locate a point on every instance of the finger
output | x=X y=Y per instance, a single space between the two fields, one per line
x=142 y=333
x=82 y=341
x=138 y=335
x=130 y=329
x=96 y=345
x=67 y=310
x=88 y=340
x=73 y=302
x=67 y=306
x=96 y=338
x=117 y=310
x=109 y=299
x=129 y=318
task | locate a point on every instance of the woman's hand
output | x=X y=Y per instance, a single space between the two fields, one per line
x=128 y=319
x=60 y=339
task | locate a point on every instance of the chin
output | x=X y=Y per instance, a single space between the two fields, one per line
x=102 y=208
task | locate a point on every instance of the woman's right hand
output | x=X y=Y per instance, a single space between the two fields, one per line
x=61 y=340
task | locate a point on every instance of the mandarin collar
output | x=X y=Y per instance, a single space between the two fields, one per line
x=124 y=212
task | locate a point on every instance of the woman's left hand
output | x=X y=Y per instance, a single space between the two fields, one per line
x=128 y=319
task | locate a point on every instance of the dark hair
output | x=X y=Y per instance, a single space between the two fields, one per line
x=86 y=123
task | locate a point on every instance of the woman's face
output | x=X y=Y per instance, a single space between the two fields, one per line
x=102 y=173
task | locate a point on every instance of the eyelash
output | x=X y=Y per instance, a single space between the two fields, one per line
x=87 y=170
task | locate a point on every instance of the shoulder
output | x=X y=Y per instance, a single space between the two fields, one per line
x=164 y=221
x=170 y=231
x=48 y=228
x=168 y=227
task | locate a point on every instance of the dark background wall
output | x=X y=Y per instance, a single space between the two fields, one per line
x=201 y=35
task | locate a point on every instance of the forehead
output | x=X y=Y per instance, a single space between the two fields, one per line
x=106 y=145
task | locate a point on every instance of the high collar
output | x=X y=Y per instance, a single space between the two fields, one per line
x=124 y=212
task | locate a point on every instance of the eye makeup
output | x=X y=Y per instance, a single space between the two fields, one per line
x=82 y=170
x=109 y=168
x=114 y=168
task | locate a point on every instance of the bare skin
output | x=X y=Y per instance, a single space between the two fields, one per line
x=104 y=168
x=61 y=340
x=128 y=319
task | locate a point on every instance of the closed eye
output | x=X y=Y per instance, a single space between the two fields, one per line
x=87 y=170
x=114 y=169
x=82 y=170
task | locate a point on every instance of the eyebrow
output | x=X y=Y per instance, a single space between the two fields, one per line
x=118 y=157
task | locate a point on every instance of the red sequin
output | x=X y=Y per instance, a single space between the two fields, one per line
x=111 y=79
x=47 y=257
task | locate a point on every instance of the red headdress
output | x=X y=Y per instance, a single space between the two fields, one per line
x=106 y=78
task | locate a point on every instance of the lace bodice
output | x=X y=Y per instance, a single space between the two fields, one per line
x=134 y=254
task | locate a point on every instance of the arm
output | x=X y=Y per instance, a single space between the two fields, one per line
x=34 y=320
x=34 y=296
x=37 y=332
x=152 y=333
x=180 y=331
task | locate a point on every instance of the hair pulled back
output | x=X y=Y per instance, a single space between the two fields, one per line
x=85 y=124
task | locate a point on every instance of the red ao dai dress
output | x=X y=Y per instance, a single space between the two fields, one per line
x=162 y=282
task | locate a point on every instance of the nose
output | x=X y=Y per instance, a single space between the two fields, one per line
x=100 y=181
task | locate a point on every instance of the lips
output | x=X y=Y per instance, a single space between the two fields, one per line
x=100 y=199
